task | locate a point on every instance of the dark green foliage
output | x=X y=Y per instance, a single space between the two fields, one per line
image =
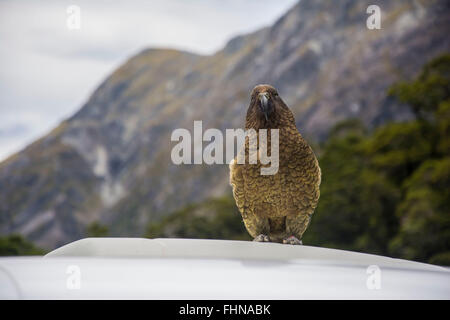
x=16 y=245
x=349 y=127
x=428 y=90
x=388 y=192
x=441 y=259
x=357 y=204
x=397 y=149
x=213 y=219
x=425 y=213
x=95 y=229
x=443 y=128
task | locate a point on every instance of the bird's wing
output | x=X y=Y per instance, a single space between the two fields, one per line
x=304 y=179
x=237 y=182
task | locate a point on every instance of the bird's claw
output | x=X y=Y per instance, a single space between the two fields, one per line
x=292 y=240
x=262 y=238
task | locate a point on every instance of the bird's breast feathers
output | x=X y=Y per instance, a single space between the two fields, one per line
x=294 y=188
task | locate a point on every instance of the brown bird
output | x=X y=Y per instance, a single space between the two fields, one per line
x=276 y=207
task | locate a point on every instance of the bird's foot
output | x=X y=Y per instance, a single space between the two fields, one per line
x=262 y=238
x=292 y=240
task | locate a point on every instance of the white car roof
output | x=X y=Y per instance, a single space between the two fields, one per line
x=135 y=268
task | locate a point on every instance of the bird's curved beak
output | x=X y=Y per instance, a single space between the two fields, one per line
x=264 y=104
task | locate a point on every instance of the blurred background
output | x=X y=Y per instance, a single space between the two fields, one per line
x=90 y=93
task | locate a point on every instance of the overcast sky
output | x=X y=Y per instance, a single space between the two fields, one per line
x=47 y=71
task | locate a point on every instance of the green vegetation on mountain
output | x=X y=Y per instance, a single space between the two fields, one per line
x=16 y=245
x=216 y=218
x=95 y=229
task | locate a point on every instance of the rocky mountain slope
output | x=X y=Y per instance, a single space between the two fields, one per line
x=111 y=162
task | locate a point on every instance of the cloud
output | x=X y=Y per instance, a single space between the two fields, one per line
x=48 y=71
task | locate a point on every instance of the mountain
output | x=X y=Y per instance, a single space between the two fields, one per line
x=110 y=162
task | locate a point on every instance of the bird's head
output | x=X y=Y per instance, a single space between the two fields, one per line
x=266 y=108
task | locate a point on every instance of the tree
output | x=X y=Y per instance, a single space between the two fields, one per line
x=397 y=149
x=95 y=229
x=16 y=245
x=216 y=218
x=388 y=191
x=425 y=93
x=424 y=212
x=357 y=204
x=424 y=232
